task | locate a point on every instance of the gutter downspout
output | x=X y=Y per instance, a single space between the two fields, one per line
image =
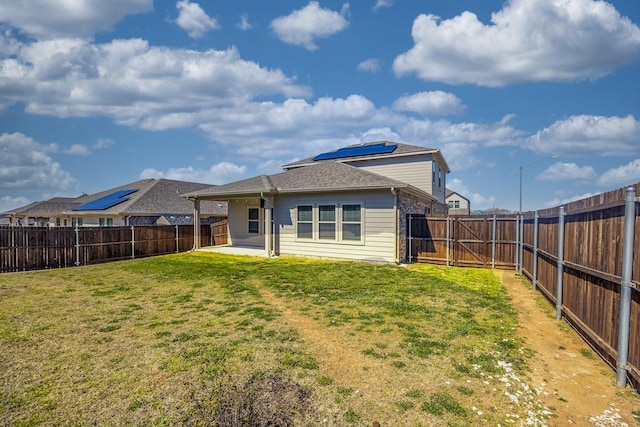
x=397 y=215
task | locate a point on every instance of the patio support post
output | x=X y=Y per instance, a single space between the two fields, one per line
x=267 y=227
x=409 y=239
x=625 y=287
x=196 y=224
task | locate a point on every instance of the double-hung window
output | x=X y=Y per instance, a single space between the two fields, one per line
x=254 y=220
x=327 y=222
x=351 y=222
x=305 y=222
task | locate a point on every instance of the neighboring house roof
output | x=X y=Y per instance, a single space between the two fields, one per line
x=152 y=197
x=449 y=193
x=401 y=150
x=326 y=175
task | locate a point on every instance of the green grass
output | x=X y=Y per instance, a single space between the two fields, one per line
x=189 y=339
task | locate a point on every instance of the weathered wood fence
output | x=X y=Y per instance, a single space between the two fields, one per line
x=575 y=255
x=37 y=248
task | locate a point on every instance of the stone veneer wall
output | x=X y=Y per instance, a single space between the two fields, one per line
x=410 y=204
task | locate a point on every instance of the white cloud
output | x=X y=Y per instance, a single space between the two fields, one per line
x=219 y=173
x=618 y=177
x=564 y=200
x=382 y=3
x=103 y=143
x=303 y=26
x=244 y=24
x=588 y=135
x=528 y=40
x=477 y=200
x=8 y=202
x=25 y=164
x=135 y=84
x=430 y=103
x=194 y=20
x=49 y=19
x=568 y=172
x=78 y=150
x=370 y=65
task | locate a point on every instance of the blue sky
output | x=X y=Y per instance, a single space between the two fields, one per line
x=95 y=94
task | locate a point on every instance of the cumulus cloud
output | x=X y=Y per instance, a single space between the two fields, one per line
x=244 y=23
x=135 y=84
x=430 y=103
x=78 y=150
x=568 y=172
x=370 y=65
x=588 y=135
x=194 y=20
x=26 y=164
x=50 y=19
x=478 y=201
x=9 y=202
x=303 y=26
x=382 y=3
x=564 y=200
x=621 y=176
x=219 y=173
x=528 y=40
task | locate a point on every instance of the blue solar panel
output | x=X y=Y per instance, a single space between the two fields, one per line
x=105 y=202
x=361 y=150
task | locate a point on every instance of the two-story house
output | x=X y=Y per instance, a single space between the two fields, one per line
x=350 y=203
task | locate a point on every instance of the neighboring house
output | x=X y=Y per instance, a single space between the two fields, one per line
x=145 y=202
x=458 y=204
x=351 y=203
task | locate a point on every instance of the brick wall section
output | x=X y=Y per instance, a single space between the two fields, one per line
x=410 y=204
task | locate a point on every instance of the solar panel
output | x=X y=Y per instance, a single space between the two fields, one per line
x=361 y=150
x=105 y=202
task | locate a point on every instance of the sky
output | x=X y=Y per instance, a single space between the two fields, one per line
x=96 y=94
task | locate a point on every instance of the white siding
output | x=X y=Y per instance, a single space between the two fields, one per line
x=414 y=170
x=378 y=227
x=239 y=223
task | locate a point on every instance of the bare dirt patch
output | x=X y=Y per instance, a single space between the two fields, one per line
x=580 y=390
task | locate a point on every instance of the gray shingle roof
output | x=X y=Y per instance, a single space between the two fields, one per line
x=326 y=175
x=153 y=197
x=401 y=150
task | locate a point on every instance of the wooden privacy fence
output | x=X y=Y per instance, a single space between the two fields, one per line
x=464 y=241
x=37 y=248
x=581 y=256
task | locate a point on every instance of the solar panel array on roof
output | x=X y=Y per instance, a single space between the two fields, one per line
x=105 y=202
x=361 y=150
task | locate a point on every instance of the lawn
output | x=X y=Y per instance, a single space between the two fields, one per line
x=209 y=339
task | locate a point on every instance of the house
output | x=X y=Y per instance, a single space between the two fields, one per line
x=458 y=204
x=145 y=202
x=350 y=203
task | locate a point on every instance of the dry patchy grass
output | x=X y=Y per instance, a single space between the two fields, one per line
x=206 y=339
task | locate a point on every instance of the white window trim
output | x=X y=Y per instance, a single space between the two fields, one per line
x=259 y=220
x=315 y=233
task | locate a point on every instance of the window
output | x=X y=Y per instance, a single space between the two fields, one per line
x=456 y=204
x=254 y=220
x=439 y=178
x=450 y=203
x=101 y=222
x=433 y=173
x=109 y=222
x=57 y=221
x=80 y=222
x=351 y=222
x=327 y=222
x=305 y=222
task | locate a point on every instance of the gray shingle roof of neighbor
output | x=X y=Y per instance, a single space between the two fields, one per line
x=325 y=175
x=152 y=197
x=401 y=150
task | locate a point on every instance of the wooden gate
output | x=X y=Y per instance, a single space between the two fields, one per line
x=465 y=241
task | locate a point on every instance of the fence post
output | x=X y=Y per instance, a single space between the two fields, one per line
x=517 y=243
x=177 y=240
x=625 y=287
x=77 y=247
x=534 y=272
x=448 y=241
x=521 y=251
x=133 y=243
x=560 y=268
x=409 y=237
x=493 y=245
